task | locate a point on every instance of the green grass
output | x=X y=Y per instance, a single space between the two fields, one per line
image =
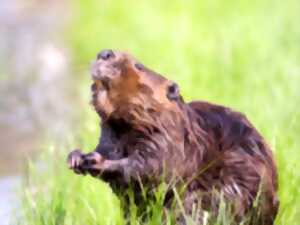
x=243 y=54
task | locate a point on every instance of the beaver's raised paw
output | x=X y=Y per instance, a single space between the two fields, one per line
x=92 y=163
x=75 y=160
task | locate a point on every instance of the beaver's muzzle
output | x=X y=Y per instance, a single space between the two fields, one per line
x=105 y=54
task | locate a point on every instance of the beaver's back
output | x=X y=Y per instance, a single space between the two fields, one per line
x=244 y=153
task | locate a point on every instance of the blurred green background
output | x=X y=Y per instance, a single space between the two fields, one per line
x=242 y=54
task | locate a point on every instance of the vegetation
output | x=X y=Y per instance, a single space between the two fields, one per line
x=243 y=54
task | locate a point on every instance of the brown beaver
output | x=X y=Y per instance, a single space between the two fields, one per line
x=148 y=131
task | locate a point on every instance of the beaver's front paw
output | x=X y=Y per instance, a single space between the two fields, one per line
x=93 y=163
x=75 y=160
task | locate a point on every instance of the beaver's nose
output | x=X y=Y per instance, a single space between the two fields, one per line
x=105 y=54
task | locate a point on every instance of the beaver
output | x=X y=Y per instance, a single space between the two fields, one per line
x=149 y=131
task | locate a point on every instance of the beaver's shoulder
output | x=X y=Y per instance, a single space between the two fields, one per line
x=229 y=127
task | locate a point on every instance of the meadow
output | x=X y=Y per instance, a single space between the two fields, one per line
x=242 y=54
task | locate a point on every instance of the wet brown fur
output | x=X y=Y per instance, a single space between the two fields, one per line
x=146 y=134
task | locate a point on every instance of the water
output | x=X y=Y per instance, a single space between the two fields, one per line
x=9 y=199
x=33 y=80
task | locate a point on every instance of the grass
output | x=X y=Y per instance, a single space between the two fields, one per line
x=243 y=54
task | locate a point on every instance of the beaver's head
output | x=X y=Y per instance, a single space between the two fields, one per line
x=125 y=87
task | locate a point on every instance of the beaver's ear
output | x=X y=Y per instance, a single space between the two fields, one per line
x=173 y=92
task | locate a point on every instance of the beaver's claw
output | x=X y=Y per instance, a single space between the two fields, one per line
x=75 y=160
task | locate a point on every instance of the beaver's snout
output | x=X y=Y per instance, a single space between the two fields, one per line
x=103 y=68
x=105 y=54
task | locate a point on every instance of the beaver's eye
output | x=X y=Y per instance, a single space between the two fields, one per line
x=139 y=66
x=173 y=92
